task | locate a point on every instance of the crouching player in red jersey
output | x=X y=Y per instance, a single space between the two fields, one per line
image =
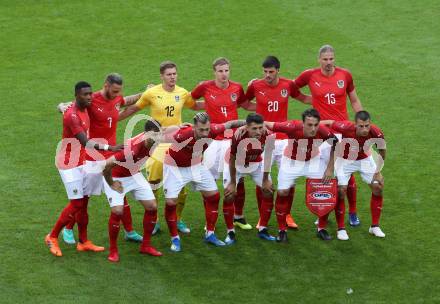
x=301 y=158
x=70 y=161
x=247 y=146
x=122 y=176
x=354 y=155
x=183 y=165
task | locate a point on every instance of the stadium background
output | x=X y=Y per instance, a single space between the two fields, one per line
x=392 y=50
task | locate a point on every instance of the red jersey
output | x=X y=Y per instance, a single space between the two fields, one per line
x=272 y=101
x=329 y=93
x=302 y=148
x=104 y=115
x=220 y=104
x=356 y=150
x=72 y=154
x=132 y=158
x=251 y=149
x=186 y=151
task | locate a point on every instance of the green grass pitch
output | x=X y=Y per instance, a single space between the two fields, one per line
x=392 y=49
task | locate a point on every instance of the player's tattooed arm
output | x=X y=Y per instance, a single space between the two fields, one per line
x=355 y=102
x=85 y=142
x=107 y=173
x=128 y=111
x=130 y=100
x=234 y=124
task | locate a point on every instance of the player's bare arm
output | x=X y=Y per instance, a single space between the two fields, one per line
x=249 y=106
x=234 y=124
x=131 y=99
x=269 y=125
x=85 y=142
x=230 y=189
x=326 y=122
x=199 y=105
x=355 y=102
x=306 y=99
x=328 y=174
x=107 y=173
x=128 y=111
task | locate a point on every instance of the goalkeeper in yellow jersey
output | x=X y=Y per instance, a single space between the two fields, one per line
x=166 y=102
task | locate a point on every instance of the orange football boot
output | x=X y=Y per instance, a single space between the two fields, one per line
x=291 y=222
x=89 y=246
x=52 y=243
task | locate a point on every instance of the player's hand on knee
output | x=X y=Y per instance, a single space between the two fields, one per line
x=230 y=190
x=267 y=187
x=117 y=186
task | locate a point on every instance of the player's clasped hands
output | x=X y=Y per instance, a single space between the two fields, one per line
x=230 y=189
x=267 y=186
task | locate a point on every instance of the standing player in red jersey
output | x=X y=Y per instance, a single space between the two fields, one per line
x=70 y=163
x=272 y=101
x=356 y=156
x=222 y=98
x=121 y=176
x=103 y=113
x=248 y=145
x=183 y=165
x=330 y=85
x=301 y=158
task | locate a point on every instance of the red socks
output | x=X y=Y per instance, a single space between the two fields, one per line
x=266 y=210
x=211 y=210
x=228 y=213
x=259 y=195
x=282 y=208
x=82 y=219
x=239 y=199
x=376 y=204
x=150 y=218
x=340 y=212
x=126 y=217
x=351 y=195
x=322 y=222
x=290 y=199
x=113 y=230
x=66 y=216
x=171 y=218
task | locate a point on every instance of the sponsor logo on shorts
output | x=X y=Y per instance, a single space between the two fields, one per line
x=234 y=97
x=322 y=195
x=284 y=93
x=110 y=200
x=340 y=84
x=165 y=191
x=75 y=191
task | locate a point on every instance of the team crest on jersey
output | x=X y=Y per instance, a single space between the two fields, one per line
x=340 y=84
x=177 y=98
x=284 y=93
x=234 y=97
